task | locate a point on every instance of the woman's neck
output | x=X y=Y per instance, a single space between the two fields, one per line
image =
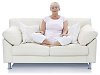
x=55 y=16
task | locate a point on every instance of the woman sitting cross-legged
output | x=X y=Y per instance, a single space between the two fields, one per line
x=54 y=29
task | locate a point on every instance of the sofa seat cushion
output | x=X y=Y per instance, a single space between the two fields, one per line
x=72 y=49
x=30 y=49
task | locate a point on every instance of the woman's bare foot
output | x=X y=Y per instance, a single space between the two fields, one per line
x=47 y=42
x=56 y=43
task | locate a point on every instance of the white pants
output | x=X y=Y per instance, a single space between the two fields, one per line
x=39 y=38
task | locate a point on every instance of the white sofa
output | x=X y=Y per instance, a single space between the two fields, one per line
x=14 y=51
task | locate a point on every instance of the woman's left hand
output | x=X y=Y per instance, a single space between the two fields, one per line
x=63 y=35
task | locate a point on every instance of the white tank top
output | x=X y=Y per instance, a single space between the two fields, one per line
x=53 y=27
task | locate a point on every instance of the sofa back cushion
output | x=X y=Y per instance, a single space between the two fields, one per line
x=27 y=27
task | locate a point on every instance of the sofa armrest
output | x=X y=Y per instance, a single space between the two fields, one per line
x=92 y=51
x=86 y=35
x=7 y=52
x=13 y=35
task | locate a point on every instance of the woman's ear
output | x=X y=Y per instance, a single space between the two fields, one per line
x=50 y=8
x=59 y=9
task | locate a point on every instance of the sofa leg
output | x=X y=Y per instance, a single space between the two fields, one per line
x=89 y=66
x=9 y=66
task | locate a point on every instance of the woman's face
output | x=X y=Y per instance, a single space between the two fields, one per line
x=54 y=9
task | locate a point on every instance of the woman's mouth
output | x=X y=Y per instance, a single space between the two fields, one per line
x=54 y=11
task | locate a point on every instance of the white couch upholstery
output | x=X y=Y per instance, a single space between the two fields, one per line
x=14 y=51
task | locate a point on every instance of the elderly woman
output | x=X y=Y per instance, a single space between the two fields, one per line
x=54 y=29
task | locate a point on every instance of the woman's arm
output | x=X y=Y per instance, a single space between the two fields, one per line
x=65 y=28
x=43 y=27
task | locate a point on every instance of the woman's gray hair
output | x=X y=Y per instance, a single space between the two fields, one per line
x=55 y=4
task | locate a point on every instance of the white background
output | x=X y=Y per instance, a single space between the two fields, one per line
x=40 y=9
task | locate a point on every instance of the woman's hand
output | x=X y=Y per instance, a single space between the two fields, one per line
x=41 y=32
x=63 y=35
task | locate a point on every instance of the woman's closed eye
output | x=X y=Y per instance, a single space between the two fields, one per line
x=54 y=7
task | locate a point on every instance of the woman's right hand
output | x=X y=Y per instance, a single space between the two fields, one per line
x=40 y=32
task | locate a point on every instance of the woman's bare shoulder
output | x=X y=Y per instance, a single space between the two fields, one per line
x=46 y=18
x=64 y=18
